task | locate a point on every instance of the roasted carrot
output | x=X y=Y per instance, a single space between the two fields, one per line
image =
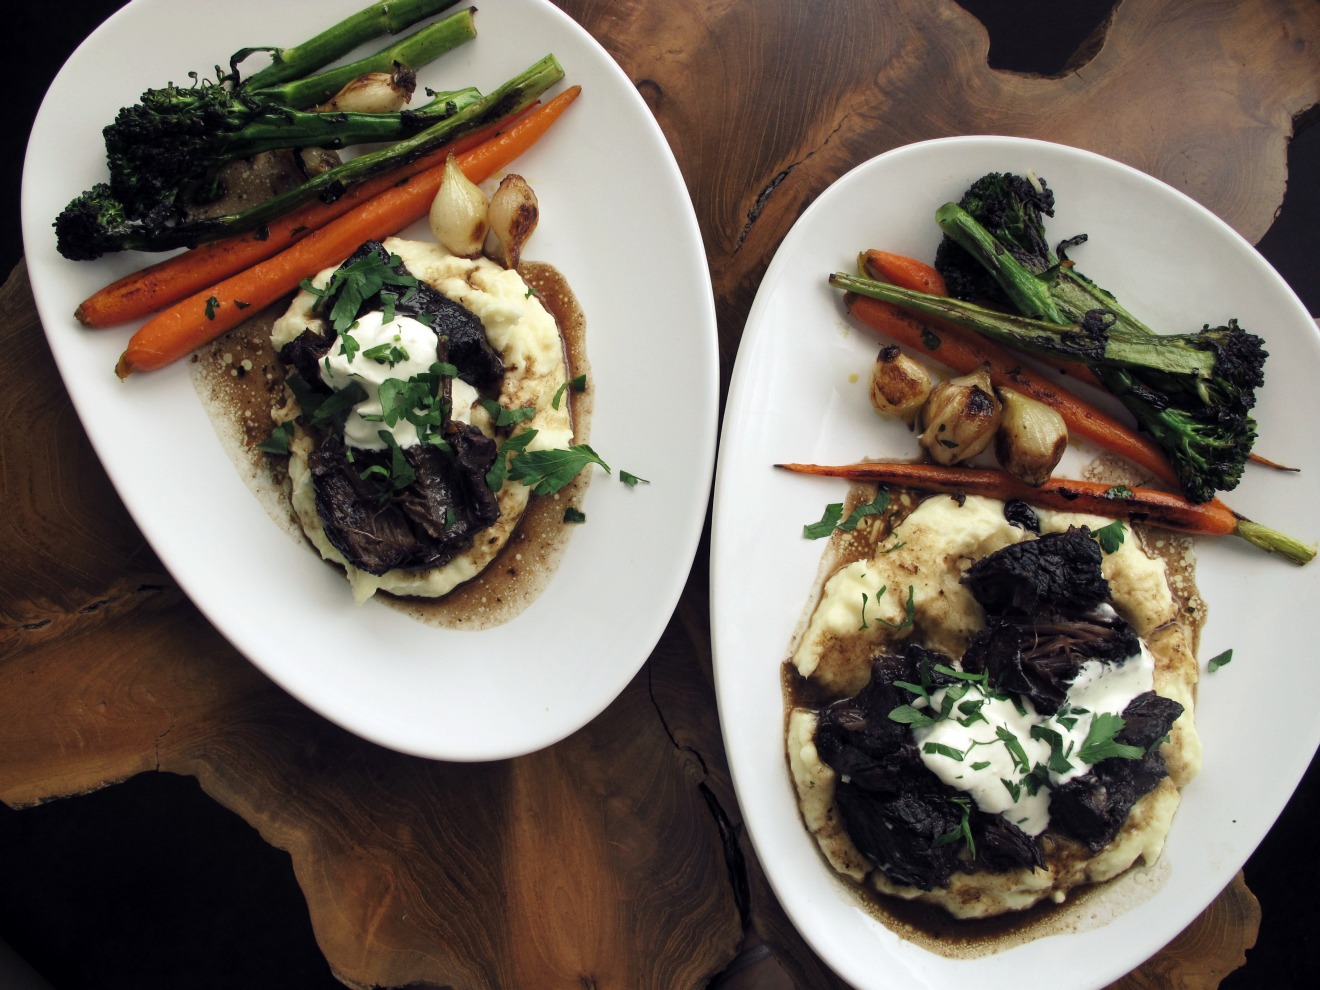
x=187 y=325
x=899 y=269
x=1143 y=505
x=965 y=351
x=151 y=289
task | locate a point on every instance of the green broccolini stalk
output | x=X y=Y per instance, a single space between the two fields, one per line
x=96 y=222
x=383 y=17
x=167 y=153
x=1193 y=398
x=417 y=49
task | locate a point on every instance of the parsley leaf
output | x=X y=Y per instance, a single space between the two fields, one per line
x=816 y=530
x=1111 y=537
x=514 y=446
x=507 y=417
x=1100 y=741
x=940 y=749
x=278 y=441
x=963 y=830
x=386 y=353
x=908 y=715
x=547 y=471
x=871 y=508
x=577 y=384
x=631 y=480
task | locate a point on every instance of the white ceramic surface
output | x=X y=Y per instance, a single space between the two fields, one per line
x=645 y=288
x=799 y=393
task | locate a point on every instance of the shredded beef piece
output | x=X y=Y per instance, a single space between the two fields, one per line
x=1038 y=657
x=1058 y=571
x=424 y=526
x=895 y=809
x=1093 y=807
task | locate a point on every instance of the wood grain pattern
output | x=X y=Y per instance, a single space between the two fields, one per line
x=617 y=858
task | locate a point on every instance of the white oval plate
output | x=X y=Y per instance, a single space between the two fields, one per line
x=643 y=283
x=799 y=393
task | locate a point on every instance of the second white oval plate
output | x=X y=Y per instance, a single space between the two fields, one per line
x=799 y=393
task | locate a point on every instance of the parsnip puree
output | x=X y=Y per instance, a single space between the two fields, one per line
x=906 y=587
x=522 y=332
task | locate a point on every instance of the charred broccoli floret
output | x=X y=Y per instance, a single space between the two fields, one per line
x=166 y=149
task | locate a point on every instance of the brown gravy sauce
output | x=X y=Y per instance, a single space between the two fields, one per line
x=239 y=378
x=929 y=925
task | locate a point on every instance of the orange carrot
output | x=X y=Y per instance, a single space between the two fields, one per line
x=153 y=288
x=1138 y=505
x=900 y=270
x=197 y=320
x=964 y=351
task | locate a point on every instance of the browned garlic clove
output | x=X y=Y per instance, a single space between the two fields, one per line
x=1031 y=438
x=960 y=418
x=899 y=385
x=513 y=216
x=374 y=92
x=459 y=213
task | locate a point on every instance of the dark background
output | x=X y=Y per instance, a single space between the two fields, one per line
x=151 y=884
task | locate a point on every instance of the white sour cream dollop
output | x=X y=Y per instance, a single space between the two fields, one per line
x=410 y=343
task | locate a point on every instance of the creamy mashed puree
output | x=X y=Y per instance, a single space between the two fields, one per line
x=862 y=609
x=528 y=340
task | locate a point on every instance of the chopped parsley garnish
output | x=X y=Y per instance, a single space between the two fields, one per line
x=578 y=383
x=910 y=715
x=394 y=478
x=512 y=447
x=1119 y=492
x=963 y=830
x=507 y=417
x=871 y=508
x=572 y=515
x=1220 y=660
x=278 y=441
x=1100 y=741
x=830 y=520
x=212 y=304
x=1111 y=537
x=816 y=530
x=630 y=479
x=353 y=283
x=388 y=352
x=348 y=345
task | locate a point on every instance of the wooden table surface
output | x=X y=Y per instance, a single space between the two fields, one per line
x=616 y=858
